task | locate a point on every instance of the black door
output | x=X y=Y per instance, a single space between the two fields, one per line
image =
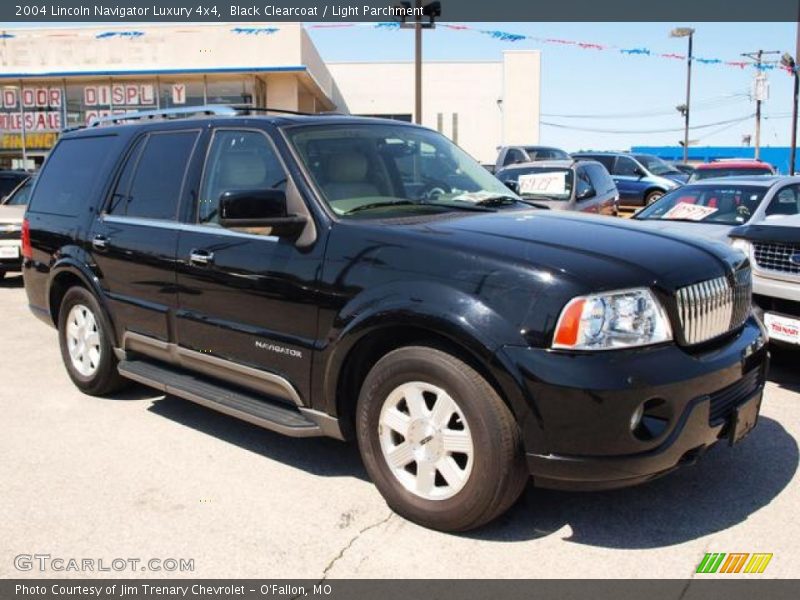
x=134 y=239
x=246 y=297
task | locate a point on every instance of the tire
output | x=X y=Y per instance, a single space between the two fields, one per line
x=84 y=333
x=465 y=489
x=652 y=197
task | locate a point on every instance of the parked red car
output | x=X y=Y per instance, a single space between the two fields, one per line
x=730 y=168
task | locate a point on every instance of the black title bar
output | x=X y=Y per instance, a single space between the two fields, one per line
x=376 y=11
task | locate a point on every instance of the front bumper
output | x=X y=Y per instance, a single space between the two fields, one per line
x=578 y=435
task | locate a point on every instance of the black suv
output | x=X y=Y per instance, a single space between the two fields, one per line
x=304 y=273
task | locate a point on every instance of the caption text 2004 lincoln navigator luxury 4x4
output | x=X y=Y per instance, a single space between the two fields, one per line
x=351 y=277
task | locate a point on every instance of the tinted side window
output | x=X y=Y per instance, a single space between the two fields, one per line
x=238 y=160
x=604 y=159
x=72 y=174
x=785 y=202
x=601 y=180
x=119 y=199
x=584 y=188
x=21 y=196
x=9 y=182
x=157 y=179
x=513 y=156
x=625 y=167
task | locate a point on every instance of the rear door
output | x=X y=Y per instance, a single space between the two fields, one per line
x=247 y=304
x=629 y=181
x=133 y=240
x=585 y=192
x=605 y=189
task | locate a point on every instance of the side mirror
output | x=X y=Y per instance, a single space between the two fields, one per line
x=258 y=208
x=512 y=185
x=640 y=172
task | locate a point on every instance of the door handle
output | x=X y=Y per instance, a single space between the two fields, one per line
x=201 y=257
x=100 y=242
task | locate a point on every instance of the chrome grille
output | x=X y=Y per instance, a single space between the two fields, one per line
x=777 y=256
x=711 y=308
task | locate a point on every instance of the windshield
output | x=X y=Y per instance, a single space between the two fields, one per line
x=731 y=172
x=387 y=170
x=655 y=165
x=549 y=183
x=724 y=205
x=21 y=195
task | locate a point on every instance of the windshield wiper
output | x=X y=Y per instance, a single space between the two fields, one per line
x=534 y=203
x=476 y=207
x=372 y=205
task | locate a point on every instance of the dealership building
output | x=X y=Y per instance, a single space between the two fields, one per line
x=51 y=79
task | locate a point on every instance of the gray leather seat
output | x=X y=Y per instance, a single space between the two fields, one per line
x=346 y=177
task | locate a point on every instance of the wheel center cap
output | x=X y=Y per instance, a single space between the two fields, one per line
x=425 y=440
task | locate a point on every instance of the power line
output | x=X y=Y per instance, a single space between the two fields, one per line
x=643 y=131
x=710 y=103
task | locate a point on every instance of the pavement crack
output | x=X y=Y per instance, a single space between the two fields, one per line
x=349 y=544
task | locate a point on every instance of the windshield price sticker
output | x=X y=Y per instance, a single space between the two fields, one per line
x=688 y=212
x=543 y=184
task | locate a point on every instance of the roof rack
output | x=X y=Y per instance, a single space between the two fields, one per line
x=221 y=110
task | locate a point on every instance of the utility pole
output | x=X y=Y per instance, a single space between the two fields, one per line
x=759 y=90
x=431 y=11
x=791 y=63
x=686 y=32
x=418 y=67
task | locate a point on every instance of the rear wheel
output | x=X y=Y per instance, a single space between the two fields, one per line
x=85 y=341
x=439 y=443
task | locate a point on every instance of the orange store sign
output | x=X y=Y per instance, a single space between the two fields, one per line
x=33 y=141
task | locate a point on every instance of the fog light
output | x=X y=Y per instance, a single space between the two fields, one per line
x=636 y=417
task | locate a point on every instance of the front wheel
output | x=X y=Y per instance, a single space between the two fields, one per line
x=85 y=341
x=439 y=443
x=652 y=197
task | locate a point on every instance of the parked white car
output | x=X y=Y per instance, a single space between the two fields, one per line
x=714 y=207
x=774 y=250
x=12 y=211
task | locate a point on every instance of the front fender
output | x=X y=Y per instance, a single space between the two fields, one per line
x=462 y=319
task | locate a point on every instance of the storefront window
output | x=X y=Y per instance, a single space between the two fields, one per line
x=230 y=91
x=176 y=93
x=91 y=100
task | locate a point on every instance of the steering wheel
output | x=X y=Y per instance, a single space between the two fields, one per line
x=432 y=189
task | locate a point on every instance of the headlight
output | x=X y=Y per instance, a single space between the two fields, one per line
x=623 y=319
x=742 y=245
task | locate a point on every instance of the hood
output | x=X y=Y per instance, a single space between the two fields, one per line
x=11 y=214
x=677 y=177
x=710 y=231
x=784 y=229
x=601 y=253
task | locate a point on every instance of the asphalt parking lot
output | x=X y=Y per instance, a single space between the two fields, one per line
x=147 y=476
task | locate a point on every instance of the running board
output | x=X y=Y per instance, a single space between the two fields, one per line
x=242 y=404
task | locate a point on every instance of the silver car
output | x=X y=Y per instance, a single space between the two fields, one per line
x=712 y=208
x=12 y=211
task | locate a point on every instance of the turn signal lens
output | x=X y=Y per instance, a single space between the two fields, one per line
x=622 y=319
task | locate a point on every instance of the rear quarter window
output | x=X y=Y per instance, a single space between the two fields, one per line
x=72 y=175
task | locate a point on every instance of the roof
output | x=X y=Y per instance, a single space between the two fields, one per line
x=201 y=115
x=538 y=164
x=764 y=181
x=734 y=164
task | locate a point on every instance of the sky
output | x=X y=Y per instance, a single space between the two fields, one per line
x=631 y=94
x=625 y=92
